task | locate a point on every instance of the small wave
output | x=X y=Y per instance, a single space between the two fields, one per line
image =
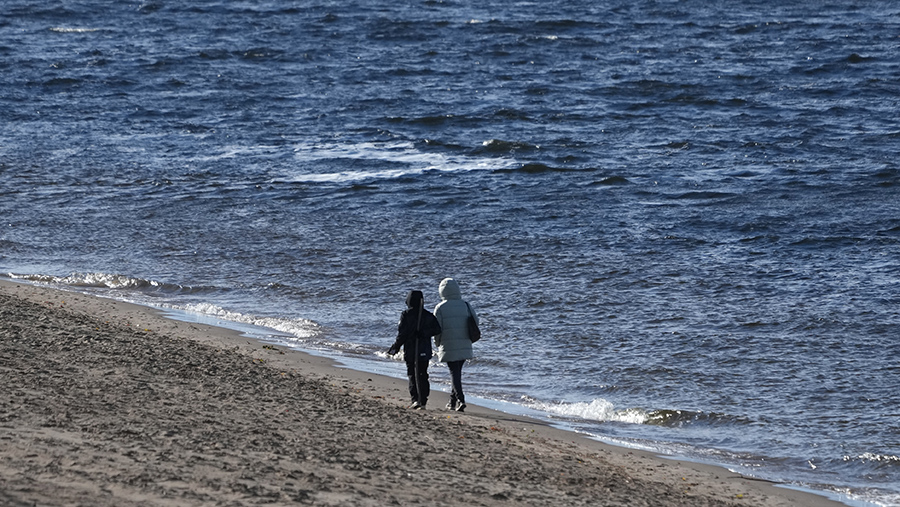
x=678 y=145
x=61 y=82
x=73 y=30
x=243 y=54
x=428 y=121
x=887 y=460
x=758 y=323
x=677 y=418
x=258 y=53
x=536 y=168
x=888 y=177
x=511 y=114
x=857 y=58
x=612 y=181
x=891 y=231
x=437 y=144
x=703 y=195
x=193 y=128
x=818 y=241
x=746 y=29
x=149 y=7
x=595 y=410
x=355 y=177
x=105 y=281
x=499 y=146
x=413 y=162
x=301 y=329
x=604 y=411
x=759 y=238
x=9 y=246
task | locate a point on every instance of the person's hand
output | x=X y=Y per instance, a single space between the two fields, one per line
x=393 y=350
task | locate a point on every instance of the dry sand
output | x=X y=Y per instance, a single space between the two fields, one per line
x=104 y=403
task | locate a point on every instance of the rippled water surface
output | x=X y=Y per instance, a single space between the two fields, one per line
x=678 y=221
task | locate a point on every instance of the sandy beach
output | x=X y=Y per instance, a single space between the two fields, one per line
x=104 y=403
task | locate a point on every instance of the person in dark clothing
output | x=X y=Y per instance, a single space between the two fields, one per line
x=417 y=326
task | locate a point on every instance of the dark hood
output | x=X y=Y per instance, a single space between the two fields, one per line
x=414 y=299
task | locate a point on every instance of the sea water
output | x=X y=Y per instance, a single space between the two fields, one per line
x=679 y=221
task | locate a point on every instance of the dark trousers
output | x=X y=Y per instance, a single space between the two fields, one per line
x=456 y=394
x=414 y=388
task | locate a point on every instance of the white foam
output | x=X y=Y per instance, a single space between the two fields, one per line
x=60 y=29
x=414 y=161
x=872 y=457
x=595 y=410
x=102 y=280
x=301 y=329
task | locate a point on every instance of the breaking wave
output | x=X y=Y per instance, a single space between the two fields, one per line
x=299 y=329
x=605 y=411
x=595 y=410
x=107 y=281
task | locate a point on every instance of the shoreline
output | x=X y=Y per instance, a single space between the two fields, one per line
x=180 y=405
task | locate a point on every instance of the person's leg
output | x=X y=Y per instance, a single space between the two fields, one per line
x=456 y=378
x=411 y=375
x=424 y=386
x=452 y=404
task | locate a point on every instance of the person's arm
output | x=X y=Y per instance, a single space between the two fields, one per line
x=440 y=320
x=402 y=334
x=434 y=326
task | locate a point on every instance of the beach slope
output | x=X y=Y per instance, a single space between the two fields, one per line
x=104 y=403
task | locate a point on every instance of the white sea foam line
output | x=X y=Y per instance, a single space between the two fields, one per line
x=60 y=29
x=235 y=151
x=299 y=328
x=403 y=152
x=350 y=176
x=367 y=150
x=110 y=281
x=595 y=410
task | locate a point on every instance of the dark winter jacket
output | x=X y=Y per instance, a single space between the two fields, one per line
x=416 y=322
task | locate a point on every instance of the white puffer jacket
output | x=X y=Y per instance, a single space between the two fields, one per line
x=453 y=343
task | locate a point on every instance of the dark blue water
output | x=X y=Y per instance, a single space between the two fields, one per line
x=678 y=220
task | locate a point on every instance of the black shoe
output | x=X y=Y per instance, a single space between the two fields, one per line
x=461 y=407
x=451 y=405
x=415 y=406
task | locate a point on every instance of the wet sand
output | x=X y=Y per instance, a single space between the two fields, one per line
x=104 y=403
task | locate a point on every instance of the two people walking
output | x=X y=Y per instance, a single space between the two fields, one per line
x=449 y=327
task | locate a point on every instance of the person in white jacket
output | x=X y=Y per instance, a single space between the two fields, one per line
x=453 y=344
